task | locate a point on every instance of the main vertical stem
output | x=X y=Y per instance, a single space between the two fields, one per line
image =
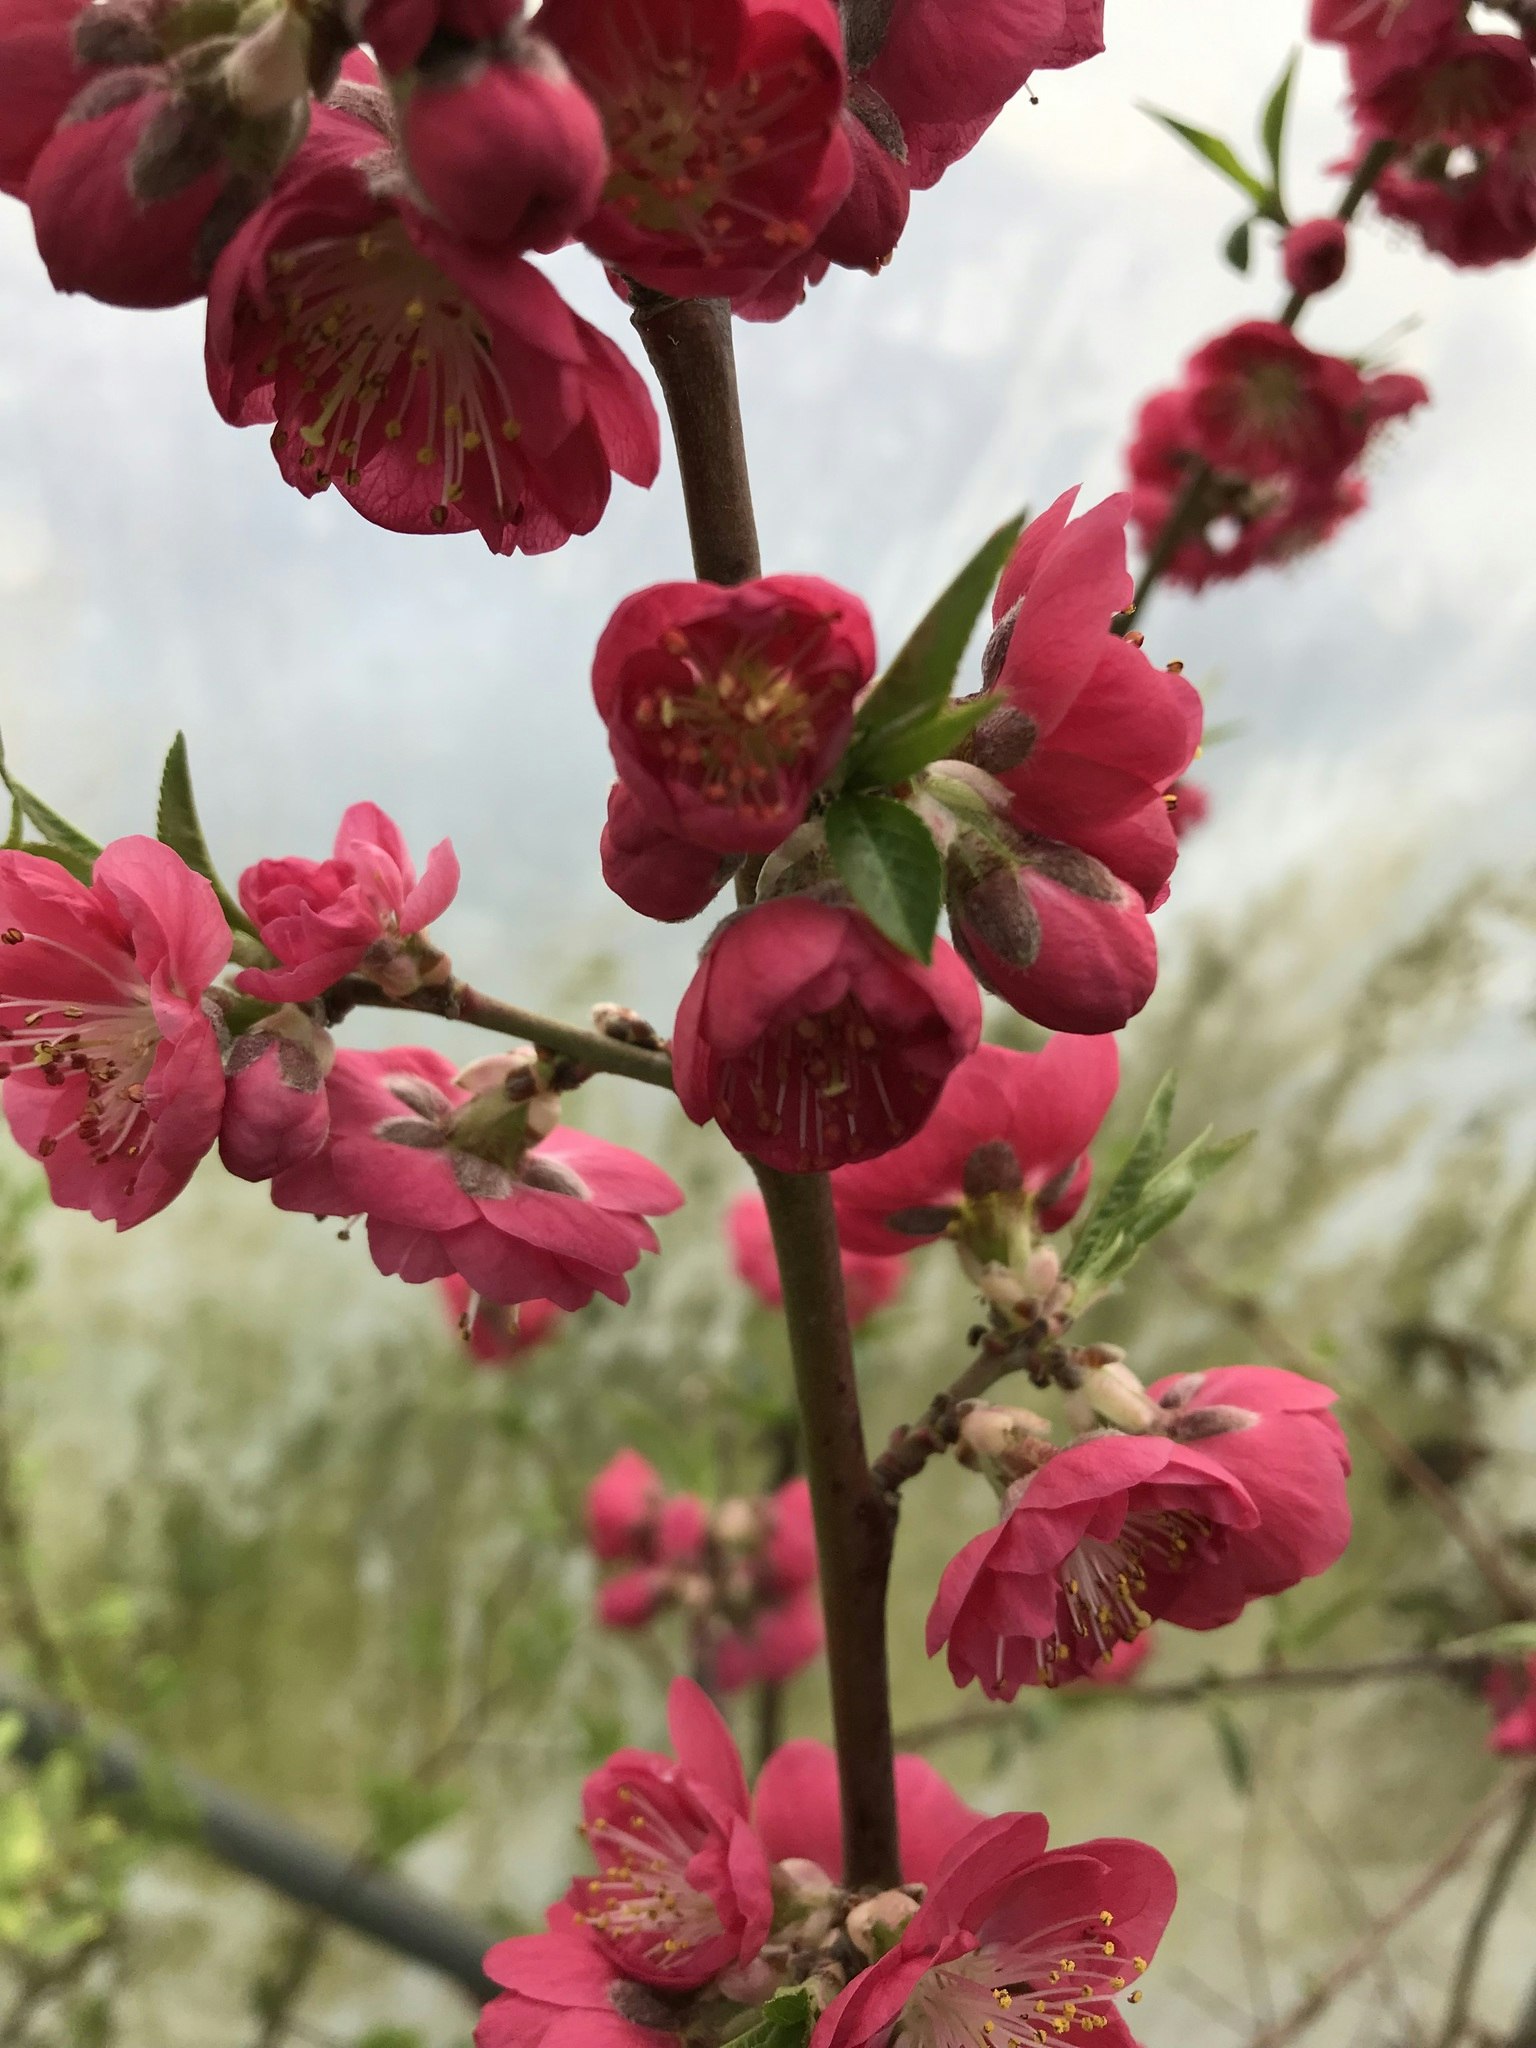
x=689 y=345
x=855 y=1524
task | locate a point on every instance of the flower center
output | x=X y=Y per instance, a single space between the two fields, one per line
x=1018 y=1995
x=642 y=1897
x=732 y=728
x=1101 y=1586
x=100 y=1046
x=823 y=1079
x=378 y=346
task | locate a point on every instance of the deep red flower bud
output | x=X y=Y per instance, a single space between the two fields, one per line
x=633 y=1598
x=728 y=154
x=276 y=1113
x=682 y=1530
x=623 y=1503
x=1314 y=254
x=503 y=146
x=864 y=231
x=726 y=709
x=652 y=871
x=812 y=1041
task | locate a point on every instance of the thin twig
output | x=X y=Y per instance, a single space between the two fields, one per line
x=1500 y=1876
x=999 y=1353
x=1253 y=1315
x=1419 y=1893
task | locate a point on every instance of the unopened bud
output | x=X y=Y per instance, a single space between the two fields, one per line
x=1042 y=1271
x=628 y=1027
x=992 y=1169
x=514 y=1074
x=269 y=72
x=751 y=1983
x=738 y=1524
x=802 y=1883
x=1003 y=1443
x=1117 y=1397
x=874 y=1924
x=1191 y=1424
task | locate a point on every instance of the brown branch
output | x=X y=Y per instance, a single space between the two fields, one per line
x=999 y=1353
x=1190 y=1692
x=855 y=1523
x=689 y=344
x=1480 y=1926
x=593 y=1051
x=1252 y=1314
x=1418 y=1895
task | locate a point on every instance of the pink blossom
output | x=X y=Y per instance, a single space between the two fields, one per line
x=1272 y=1434
x=1313 y=255
x=1511 y=1693
x=446 y=1191
x=560 y=1991
x=112 y=1070
x=1045 y=1106
x=354 y=913
x=1089 y=1549
x=275 y=1109
x=727 y=709
x=870 y=1282
x=502 y=145
x=1402 y=26
x=40 y=73
x=652 y=871
x=1060 y=1932
x=795 y=1810
x=771 y=1646
x=812 y=1041
x=440 y=386
x=633 y=1598
x=1462 y=91
x=689 y=1896
x=1123 y=1661
x=623 y=1503
x=722 y=116
x=496 y=1335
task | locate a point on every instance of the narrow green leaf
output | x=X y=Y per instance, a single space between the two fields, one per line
x=886 y=857
x=1221 y=155
x=786 y=2021
x=1236 y=1758
x=1272 y=129
x=1112 y=1212
x=178 y=826
x=1510 y=1639
x=78 y=864
x=60 y=836
x=18 y=831
x=1238 y=247
x=893 y=755
x=920 y=679
x=1173 y=1187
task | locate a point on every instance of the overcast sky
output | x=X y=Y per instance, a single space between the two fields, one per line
x=155 y=572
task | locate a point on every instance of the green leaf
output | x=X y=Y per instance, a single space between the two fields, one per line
x=897 y=753
x=1272 y=129
x=918 y=682
x=1510 y=1639
x=1171 y=1190
x=59 y=835
x=178 y=826
x=1238 y=247
x=78 y=864
x=1219 y=154
x=1112 y=1211
x=786 y=2021
x=886 y=857
x=18 y=831
x=1232 y=1744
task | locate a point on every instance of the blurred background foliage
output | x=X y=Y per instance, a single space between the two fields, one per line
x=257 y=1507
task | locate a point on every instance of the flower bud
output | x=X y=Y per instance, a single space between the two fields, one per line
x=1003 y=1443
x=683 y=1530
x=623 y=1502
x=268 y=72
x=874 y=1924
x=1117 y=1396
x=1314 y=254
x=632 y=1599
x=738 y=1524
x=276 y=1113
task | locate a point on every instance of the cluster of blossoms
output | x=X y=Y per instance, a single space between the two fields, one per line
x=710 y=1897
x=743 y=1572
x=361 y=224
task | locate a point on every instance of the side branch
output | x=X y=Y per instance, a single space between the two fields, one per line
x=592 y=1050
x=999 y=1353
x=855 y=1523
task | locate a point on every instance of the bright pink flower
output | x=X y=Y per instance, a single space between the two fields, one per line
x=1008 y=1924
x=779 y=1640
x=795 y=1810
x=1313 y=255
x=683 y=1890
x=502 y=145
x=727 y=709
x=1261 y=402
x=947 y=74
x=1511 y=1693
x=557 y=1220
x=1399 y=25
x=1271 y=1433
x=1046 y=1106
x=1474 y=215
x=40 y=73
x=634 y=1598
x=1464 y=91
x=623 y=1503
x=496 y=1335
x=560 y=1991
x=354 y=913
x=275 y=1110
x=1088 y=1550
x=812 y=1041
x=728 y=155
x=441 y=387
x=113 y=1076
x=869 y=1282
x=654 y=873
